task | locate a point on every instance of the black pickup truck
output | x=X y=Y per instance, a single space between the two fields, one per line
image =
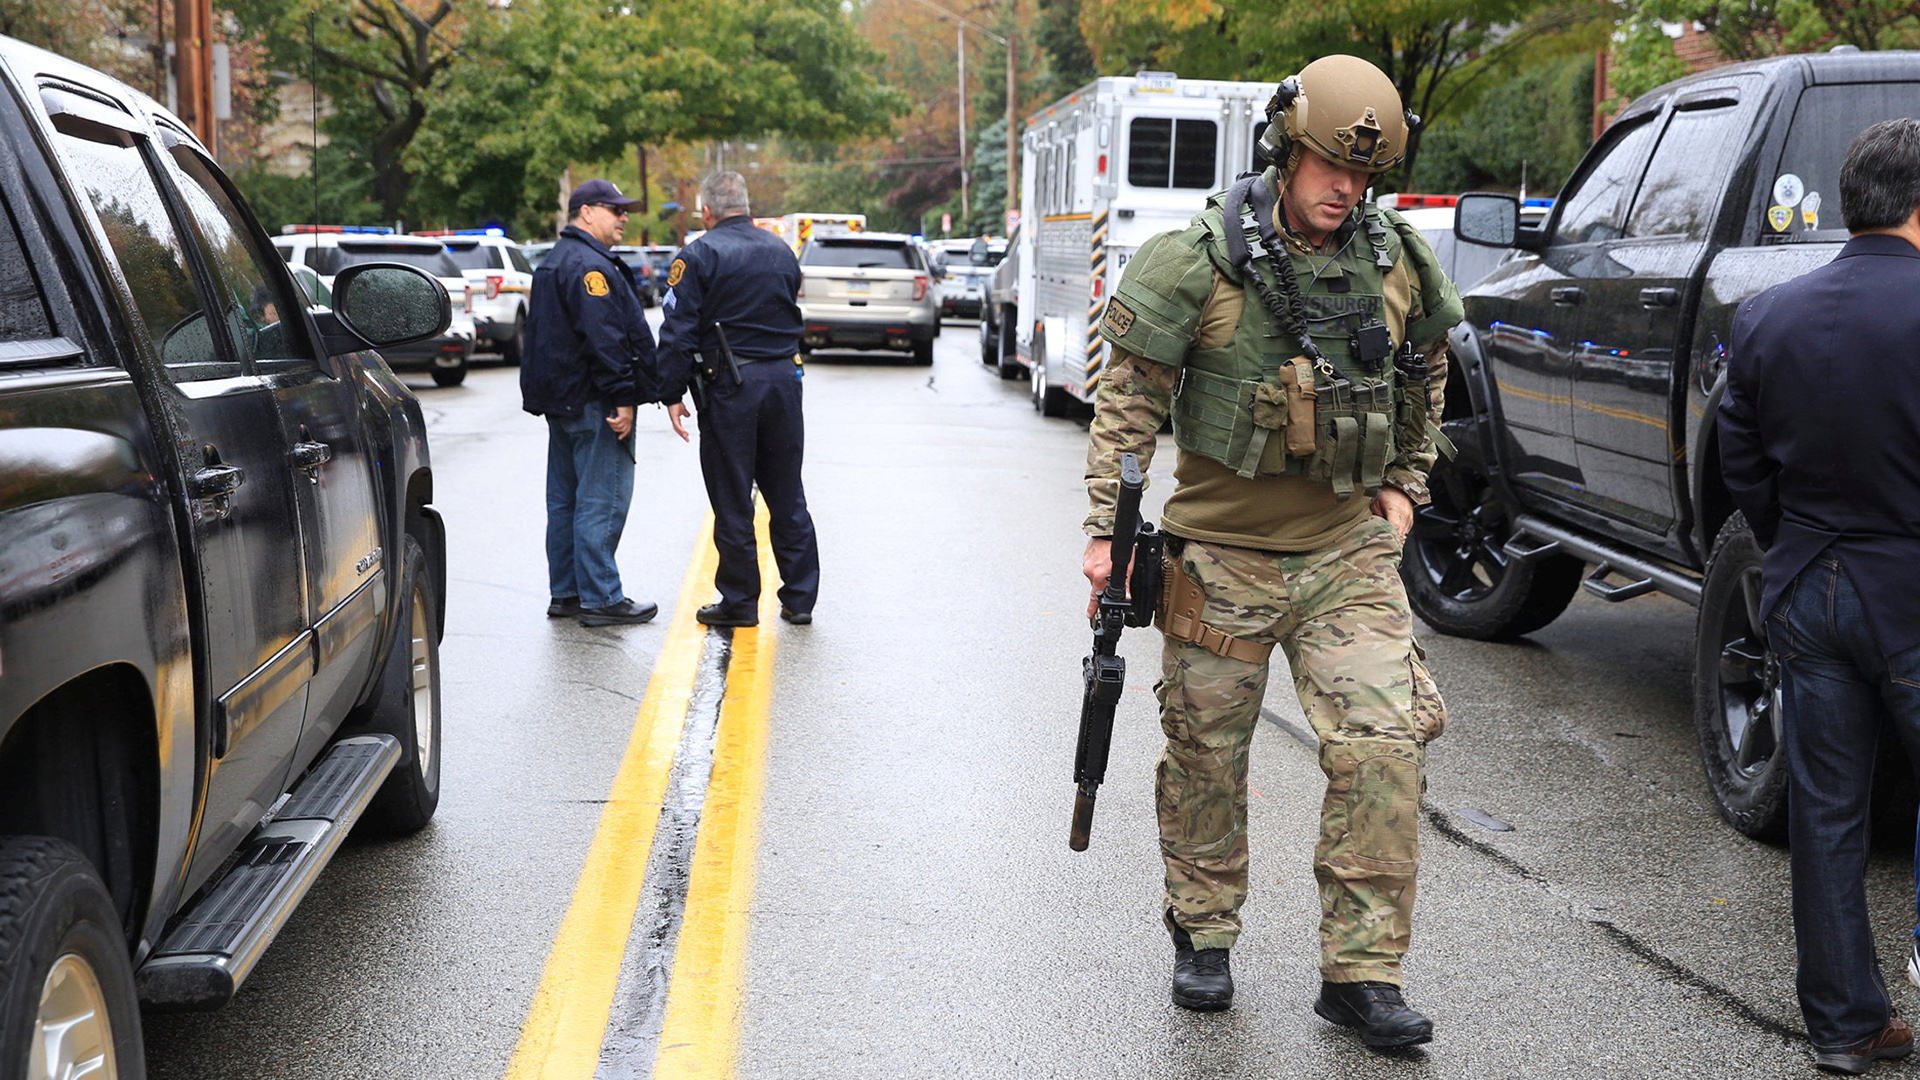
x=1590 y=366
x=221 y=575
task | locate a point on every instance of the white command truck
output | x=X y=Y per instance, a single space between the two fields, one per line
x=1104 y=168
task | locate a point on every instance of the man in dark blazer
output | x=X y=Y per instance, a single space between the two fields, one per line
x=1820 y=446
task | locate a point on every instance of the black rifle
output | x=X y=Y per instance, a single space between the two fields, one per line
x=1123 y=603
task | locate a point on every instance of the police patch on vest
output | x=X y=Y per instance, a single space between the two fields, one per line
x=1119 y=317
x=1322 y=306
x=596 y=283
x=678 y=268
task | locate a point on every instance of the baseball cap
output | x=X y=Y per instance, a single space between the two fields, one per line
x=598 y=191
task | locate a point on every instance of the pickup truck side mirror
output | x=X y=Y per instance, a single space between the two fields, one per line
x=385 y=304
x=1486 y=218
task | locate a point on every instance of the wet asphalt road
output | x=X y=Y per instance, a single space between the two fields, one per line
x=916 y=911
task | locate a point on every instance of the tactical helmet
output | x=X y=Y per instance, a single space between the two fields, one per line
x=1342 y=108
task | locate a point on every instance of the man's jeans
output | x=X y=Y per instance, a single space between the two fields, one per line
x=1837 y=686
x=589 y=487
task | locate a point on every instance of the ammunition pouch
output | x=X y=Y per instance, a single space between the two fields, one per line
x=1343 y=432
x=1182 y=603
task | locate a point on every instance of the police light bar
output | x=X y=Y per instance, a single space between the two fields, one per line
x=1541 y=203
x=490 y=231
x=1404 y=201
x=377 y=230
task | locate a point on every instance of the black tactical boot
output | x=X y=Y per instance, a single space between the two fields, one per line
x=1378 y=1010
x=1202 y=980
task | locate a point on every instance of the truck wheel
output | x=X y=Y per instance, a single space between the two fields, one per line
x=450 y=376
x=1048 y=400
x=1458 y=575
x=989 y=343
x=1009 y=349
x=511 y=349
x=1736 y=690
x=406 y=705
x=923 y=353
x=69 y=1005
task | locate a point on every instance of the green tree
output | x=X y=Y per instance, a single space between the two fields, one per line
x=1754 y=28
x=1440 y=54
x=378 y=61
x=1532 y=128
x=554 y=82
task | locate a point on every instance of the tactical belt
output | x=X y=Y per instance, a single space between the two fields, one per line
x=1181 y=604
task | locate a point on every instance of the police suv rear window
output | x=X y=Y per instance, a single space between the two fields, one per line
x=861 y=254
x=433 y=260
x=474 y=256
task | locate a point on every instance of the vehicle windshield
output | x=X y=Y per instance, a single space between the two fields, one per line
x=860 y=254
x=474 y=256
x=434 y=261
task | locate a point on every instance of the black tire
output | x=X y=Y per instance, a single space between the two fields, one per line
x=1736 y=690
x=1048 y=400
x=453 y=376
x=411 y=793
x=1008 y=356
x=60 y=940
x=512 y=349
x=989 y=343
x=923 y=353
x=1458 y=575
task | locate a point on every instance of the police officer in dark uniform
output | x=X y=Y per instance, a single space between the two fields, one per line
x=733 y=324
x=589 y=362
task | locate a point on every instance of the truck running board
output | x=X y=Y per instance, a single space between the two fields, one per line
x=213 y=945
x=1534 y=539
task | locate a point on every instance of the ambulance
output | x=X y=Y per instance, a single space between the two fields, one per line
x=1103 y=169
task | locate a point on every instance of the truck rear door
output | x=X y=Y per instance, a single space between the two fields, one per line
x=254 y=650
x=1628 y=368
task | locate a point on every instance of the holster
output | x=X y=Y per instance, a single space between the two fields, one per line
x=1183 y=602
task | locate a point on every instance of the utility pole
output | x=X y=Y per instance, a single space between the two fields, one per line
x=193 y=57
x=1013 y=137
x=965 y=25
x=966 y=211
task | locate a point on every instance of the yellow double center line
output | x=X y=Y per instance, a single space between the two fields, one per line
x=567 y=1022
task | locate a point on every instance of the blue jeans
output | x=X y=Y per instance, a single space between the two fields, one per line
x=589 y=487
x=1838 y=687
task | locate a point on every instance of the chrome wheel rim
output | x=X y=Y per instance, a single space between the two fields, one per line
x=423 y=688
x=73 y=1035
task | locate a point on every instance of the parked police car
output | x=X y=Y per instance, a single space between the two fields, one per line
x=221 y=573
x=329 y=249
x=499 y=283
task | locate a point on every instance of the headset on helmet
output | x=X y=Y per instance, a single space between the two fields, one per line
x=1342 y=108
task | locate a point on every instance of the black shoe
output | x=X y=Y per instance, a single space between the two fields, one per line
x=1378 y=1010
x=624 y=613
x=719 y=615
x=1202 y=979
x=797 y=618
x=561 y=607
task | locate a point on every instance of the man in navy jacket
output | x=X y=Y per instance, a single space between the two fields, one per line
x=589 y=362
x=1820 y=446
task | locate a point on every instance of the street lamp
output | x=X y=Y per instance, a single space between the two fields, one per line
x=960 y=33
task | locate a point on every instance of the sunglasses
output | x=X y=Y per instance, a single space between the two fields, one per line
x=622 y=211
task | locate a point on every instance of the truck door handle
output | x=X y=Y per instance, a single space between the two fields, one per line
x=309 y=456
x=1661 y=297
x=1568 y=295
x=216 y=481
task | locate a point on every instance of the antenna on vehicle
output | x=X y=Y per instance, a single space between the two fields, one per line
x=313 y=99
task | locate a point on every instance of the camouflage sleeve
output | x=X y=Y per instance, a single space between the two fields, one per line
x=1410 y=467
x=1133 y=400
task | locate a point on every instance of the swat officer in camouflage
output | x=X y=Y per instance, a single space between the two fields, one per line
x=1297 y=338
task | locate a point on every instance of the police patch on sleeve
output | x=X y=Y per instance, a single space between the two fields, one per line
x=678 y=268
x=596 y=283
x=1118 y=319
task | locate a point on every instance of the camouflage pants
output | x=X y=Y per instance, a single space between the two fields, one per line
x=1341 y=616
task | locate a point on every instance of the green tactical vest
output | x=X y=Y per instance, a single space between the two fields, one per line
x=1230 y=404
